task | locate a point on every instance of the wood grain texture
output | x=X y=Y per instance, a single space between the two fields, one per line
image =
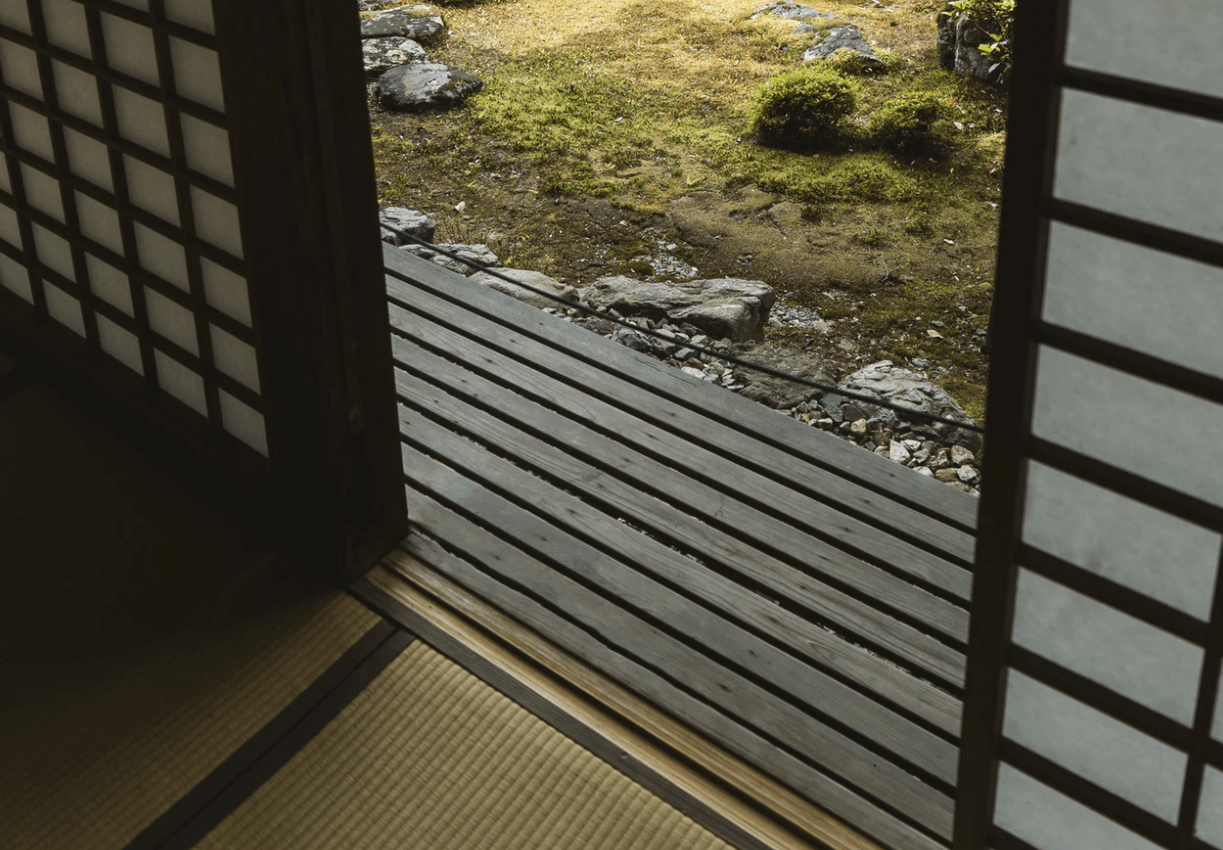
x=861 y=551
x=712 y=629
x=711 y=545
x=516 y=562
x=633 y=727
x=690 y=716
x=862 y=473
x=669 y=428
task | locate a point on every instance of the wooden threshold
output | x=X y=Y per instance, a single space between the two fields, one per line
x=639 y=739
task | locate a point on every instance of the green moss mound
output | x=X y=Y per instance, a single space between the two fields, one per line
x=803 y=109
x=906 y=125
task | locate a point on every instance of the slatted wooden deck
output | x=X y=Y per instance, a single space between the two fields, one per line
x=798 y=601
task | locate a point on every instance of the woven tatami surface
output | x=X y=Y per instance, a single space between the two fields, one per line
x=429 y=756
x=94 y=752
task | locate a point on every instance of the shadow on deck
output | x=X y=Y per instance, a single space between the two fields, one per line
x=797 y=601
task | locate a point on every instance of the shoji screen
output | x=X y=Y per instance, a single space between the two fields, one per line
x=188 y=226
x=1092 y=718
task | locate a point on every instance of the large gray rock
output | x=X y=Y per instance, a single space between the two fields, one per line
x=778 y=392
x=539 y=280
x=792 y=11
x=419 y=23
x=958 y=41
x=382 y=54
x=725 y=307
x=424 y=85
x=475 y=253
x=847 y=37
x=911 y=389
x=416 y=223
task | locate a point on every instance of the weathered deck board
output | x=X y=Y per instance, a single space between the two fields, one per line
x=859 y=548
x=701 y=550
x=584 y=628
x=651 y=567
x=599 y=396
x=705 y=542
x=857 y=478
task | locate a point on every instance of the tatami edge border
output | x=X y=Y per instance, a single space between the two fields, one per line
x=555 y=716
x=269 y=749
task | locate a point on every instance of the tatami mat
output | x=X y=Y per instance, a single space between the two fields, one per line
x=429 y=756
x=94 y=751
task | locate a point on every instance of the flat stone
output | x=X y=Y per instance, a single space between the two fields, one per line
x=912 y=445
x=730 y=308
x=789 y=9
x=960 y=455
x=924 y=470
x=898 y=452
x=531 y=278
x=382 y=54
x=840 y=38
x=911 y=389
x=416 y=223
x=779 y=392
x=479 y=254
x=419 y=23
x=424 y=85
x=948 y=475
x=968 y=474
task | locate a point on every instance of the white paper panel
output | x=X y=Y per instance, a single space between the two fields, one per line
x=1049 y=820
x=162 y=257
x=1141 y=162
x=152 y=190
x=77 y=93
x=171 y=320
x=207 y=149
x=42 y=193
x=88 y=158
x=193 y=13
x=129 y=48
x=216 y=221
x=16 y=15
x=197 y=73
x=141 y=120
x=64 y=309
x=1217 y=731
x=180 y=382
x=226 y=291
x=1210 y=808
x=1153 y=302
x=1124 y=654
x=244 y=423
x=99 y=222
x=65 y=22
x=109 y=284
x=1145 y=428
x=1142 y=548
x=13 y=276
x=1111 y=754
x=31 y=131
x=1113 y=37
x=9 y=231
x=235 y=358
x=53 y=250
x=119 y=344
x=19 y=66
